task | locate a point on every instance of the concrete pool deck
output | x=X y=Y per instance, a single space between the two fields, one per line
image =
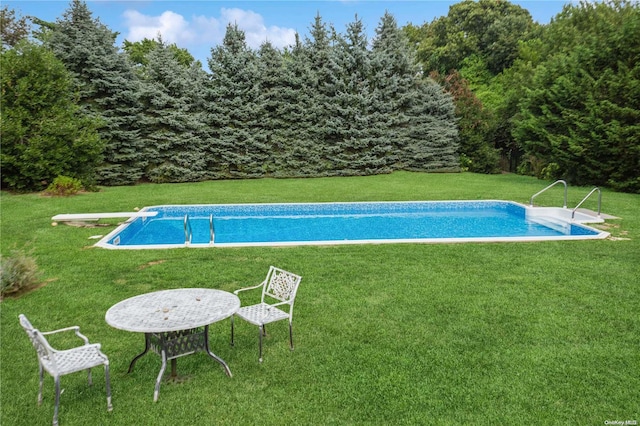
x=595 y=214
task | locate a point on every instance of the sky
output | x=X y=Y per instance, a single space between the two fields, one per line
x=200 y=25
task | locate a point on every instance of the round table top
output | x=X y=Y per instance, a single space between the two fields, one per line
x=172 y=310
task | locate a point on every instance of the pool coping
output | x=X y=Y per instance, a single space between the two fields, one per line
x=562 y=215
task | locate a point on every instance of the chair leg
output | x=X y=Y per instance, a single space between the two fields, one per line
x=55 y=410
x=40 y=386
x=89 y=378
x=290 y=336
x=108 y=386
x=260 y=333
x=232 y=329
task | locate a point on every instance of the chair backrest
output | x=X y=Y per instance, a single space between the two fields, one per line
x=42 y=347
x=281 y=285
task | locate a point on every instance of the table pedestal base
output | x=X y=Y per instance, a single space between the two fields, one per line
x=174 y=344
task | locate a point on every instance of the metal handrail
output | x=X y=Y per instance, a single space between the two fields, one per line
x=188 y=232
x=553 y=184
x=212 y=232
x=585 y=199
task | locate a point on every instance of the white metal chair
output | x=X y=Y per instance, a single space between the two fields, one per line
x=278 y=290
x=61 y=362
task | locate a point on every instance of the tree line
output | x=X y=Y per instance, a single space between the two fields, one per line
x=557 y=101
x=483 y=89
x=331 y=105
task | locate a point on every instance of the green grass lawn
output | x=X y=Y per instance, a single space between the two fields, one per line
x=476 y=333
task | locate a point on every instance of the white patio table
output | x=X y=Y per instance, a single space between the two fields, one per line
x=174 y=322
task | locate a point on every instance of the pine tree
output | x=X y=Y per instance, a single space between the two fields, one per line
x=272 y=120
x=107 y=88
x=285 y=100
x=350 y=129
x=237 y=147
x=393 y=73
x=318 y=50
x=299 y=109
x=418 y=116
x=172 y=126
x=433 y=135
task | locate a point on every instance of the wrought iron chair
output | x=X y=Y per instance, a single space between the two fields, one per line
x=278 y=290
x=61 y=362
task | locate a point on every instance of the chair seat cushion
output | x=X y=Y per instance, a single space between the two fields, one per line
x=262 y=313
x=76 y=359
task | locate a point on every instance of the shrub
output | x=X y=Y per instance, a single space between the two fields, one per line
x=551 y=171
x=17 y=272
x=45 y=133
x=64 y=186
x=465 y=163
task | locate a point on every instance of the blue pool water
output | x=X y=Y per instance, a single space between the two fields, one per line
x=338 y=223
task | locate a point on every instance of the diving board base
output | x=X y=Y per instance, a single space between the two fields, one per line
x=87 y=217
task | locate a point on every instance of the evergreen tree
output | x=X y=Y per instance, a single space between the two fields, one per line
x=392 y=81
x=507 y=90
x=44 y=135
x=272 y=120
x=433 y=144
x=348 y=129
x=284 y=100
x=107 y=88
x=418 y=117
x=299 y=109
x=318 y=50
x=579 y=118
x=172 y=123
x=238 y=148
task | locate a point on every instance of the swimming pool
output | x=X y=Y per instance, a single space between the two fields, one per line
x=237 y=225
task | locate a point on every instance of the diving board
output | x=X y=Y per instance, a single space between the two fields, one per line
x=80 y=217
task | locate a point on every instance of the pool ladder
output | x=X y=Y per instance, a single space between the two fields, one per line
x=548 y=187
x=212 y=231
x=573 y=212
x=188 y=230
